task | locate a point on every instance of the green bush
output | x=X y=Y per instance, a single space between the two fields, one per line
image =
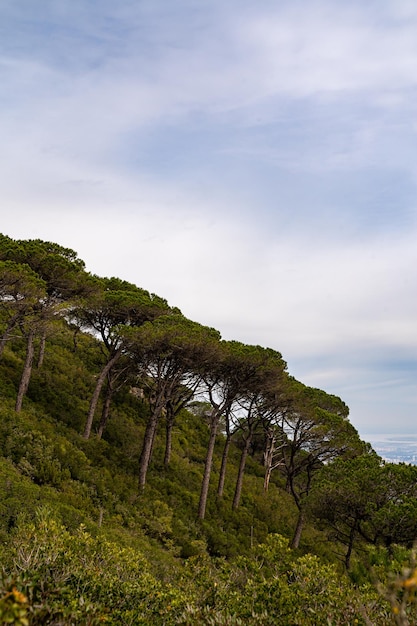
x=76 y=578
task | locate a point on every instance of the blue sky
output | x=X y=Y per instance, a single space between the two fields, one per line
x=253 y=162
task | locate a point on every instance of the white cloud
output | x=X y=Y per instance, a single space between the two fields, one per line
x=305 y=100
x=320 y=47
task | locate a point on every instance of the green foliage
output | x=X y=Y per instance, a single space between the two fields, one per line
x=273 y=587
x=77 y=578
x=13 y=604
x=365 y=500
x=80 y=545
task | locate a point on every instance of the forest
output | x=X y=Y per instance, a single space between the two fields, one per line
x=152 y=472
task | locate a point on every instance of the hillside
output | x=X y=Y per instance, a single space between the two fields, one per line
x=91 y=534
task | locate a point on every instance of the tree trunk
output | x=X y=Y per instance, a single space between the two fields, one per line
x=41 y=355
x=148 y=442
x=222 y=476
x=298 y=530
x=160 y=414
x=168 y=436
x=352 y=535
x=268 y=460
x=267 y=478
x=27 y=371
x=239 y=481
x=106 y=410
x=96 y=394
x=214 y=423
x=75 y=339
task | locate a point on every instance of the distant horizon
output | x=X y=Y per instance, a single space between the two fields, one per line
x=382 y=436
x=394 y=447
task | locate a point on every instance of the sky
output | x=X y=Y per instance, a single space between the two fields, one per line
x=254 y=163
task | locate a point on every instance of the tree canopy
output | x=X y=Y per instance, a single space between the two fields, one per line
x=81 y=429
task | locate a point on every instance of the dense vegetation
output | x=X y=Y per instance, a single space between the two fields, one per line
x=153 y=473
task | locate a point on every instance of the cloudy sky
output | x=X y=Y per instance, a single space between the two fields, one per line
x=255 y=163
